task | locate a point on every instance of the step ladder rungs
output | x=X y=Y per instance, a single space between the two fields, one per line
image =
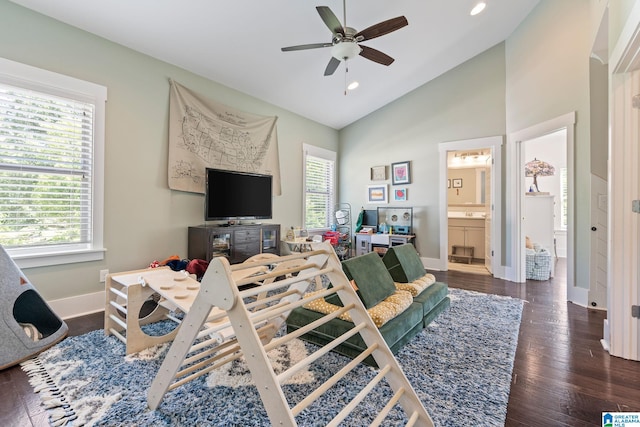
x=262 y=301
x=118 y=293
x=387 y=408
x=119 y=307
x=173 y=318
x=359 y=397
x=283 y=306
x=280 y=259
x=118 y=335
x=319 y=353
x=277 y=284
x=207 y=353
x=261 y=277
x=207 y=365
x=304 y=403
x=236 y=354
x=301 y=331
x=118 y=321
x=413 y=419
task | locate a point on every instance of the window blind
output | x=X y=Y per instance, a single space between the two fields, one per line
x=319 y=192
x=46 y=160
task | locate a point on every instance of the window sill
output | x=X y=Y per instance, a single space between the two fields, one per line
x=30 y=258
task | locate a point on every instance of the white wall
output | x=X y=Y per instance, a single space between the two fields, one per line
x=144 y=220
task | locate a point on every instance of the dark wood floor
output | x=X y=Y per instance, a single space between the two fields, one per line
x=562 y=376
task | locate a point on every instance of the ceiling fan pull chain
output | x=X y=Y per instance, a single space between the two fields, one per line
x=346 y=71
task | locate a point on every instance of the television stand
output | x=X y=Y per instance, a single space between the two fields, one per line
x=235 y=242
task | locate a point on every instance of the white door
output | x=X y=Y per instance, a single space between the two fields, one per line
x=598 y=264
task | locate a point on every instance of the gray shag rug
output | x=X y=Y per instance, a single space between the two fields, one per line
x=460 y=367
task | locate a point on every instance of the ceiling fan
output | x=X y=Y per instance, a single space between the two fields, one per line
x=345 y=42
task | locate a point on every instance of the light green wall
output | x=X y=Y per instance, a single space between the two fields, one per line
x=466 y=102
x=144 y=220
x=547 y=61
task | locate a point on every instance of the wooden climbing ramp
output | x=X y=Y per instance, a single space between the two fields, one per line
x=231 y=318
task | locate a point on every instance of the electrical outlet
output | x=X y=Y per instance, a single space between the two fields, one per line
x=103 y=275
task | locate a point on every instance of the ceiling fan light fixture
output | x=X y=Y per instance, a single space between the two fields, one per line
x=345 y=50
x=479 y=7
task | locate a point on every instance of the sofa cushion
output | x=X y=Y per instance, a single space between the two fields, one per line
x=432 y=296
x=403 y=263
x=417 y=286
x=373 y=281
x=381 y=313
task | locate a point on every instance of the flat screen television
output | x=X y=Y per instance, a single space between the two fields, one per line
x=232 y=195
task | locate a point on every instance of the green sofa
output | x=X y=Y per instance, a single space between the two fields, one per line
x=374 y=283
x=404 y=266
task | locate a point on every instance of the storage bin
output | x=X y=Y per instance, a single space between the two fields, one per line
x=538 y=264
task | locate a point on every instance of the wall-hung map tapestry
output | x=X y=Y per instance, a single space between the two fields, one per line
x=204 y=133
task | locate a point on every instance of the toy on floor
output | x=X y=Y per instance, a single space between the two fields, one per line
x=27 y=324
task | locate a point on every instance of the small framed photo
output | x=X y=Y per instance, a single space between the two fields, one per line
x=457 y=183
x=400 y=194
x=448 y=183
x=378 y=173
x=377 y=194
x=400 y=173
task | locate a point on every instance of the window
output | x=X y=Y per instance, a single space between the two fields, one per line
x=51 y=166
x=319 y=187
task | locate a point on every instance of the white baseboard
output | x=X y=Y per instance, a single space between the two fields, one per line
x=80 y=305
x=431 y=264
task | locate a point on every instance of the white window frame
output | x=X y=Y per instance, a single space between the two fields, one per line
x=322 y=153
x=36 y=79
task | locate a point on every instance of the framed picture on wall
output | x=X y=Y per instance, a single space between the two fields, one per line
x=377 y=194
x=400 y=194
x=400 y=173
x=457 y=183
x=448 y=183
x=378 y=173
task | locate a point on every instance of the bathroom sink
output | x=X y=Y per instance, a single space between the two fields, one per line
x=469 y=215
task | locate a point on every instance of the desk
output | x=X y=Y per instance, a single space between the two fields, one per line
x=379 y=243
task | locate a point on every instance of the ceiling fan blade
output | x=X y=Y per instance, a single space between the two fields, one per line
x=375 y=55
x=331 y=66
x=306 y=46
x=330 y=20
x=382 y=28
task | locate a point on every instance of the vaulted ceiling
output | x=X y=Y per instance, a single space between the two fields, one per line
x=238 y=43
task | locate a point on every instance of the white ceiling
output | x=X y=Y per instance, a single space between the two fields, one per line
x=237 y=43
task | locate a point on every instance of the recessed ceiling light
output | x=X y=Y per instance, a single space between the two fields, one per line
x=353 y=85
x=478 y=8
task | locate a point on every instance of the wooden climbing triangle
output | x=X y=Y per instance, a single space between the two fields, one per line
x=251 y=325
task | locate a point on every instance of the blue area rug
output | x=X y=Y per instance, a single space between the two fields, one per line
x=460 y=367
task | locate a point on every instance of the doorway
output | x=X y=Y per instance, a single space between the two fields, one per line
x=468 y=209
x=516 y=189
x=473 y=190
x=545 y=215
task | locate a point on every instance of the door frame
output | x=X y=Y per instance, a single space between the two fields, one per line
x=515 y=189
x=493 y=143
